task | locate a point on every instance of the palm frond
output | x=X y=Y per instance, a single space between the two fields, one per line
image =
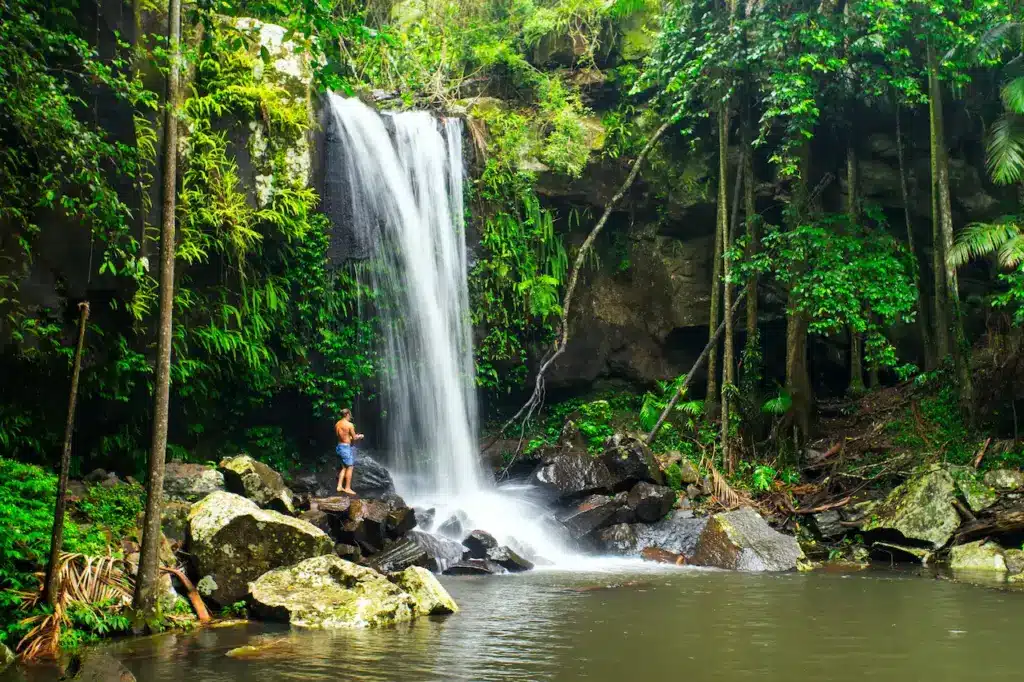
x=981 y=239
x=726 y=495
x=1013 y=95
x=998 y=38
x=1011 y=254
x=1006 y=149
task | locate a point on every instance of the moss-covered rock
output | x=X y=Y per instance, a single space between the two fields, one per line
x=232 y=542
x=191 y=482
x=244 y=476
x=977 y=556
x=329 y=592
x=742 y=540
x=921 y=509
x=430 y=598
x=1014 y=559
x=6 y=657
x=1005 y=480
x=979 y=496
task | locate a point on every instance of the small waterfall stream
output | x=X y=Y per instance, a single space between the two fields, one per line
x=403 y=174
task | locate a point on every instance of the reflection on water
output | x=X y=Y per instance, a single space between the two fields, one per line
x=697 y=625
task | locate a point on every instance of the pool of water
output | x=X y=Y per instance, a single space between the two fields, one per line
x=634 y=624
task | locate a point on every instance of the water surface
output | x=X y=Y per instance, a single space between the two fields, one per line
x=665 y=624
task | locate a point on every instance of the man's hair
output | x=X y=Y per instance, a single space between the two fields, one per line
x=345 y=412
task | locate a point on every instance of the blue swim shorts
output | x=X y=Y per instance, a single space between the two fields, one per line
x=344 y=450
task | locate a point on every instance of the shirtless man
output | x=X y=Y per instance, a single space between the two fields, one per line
x=346 y=433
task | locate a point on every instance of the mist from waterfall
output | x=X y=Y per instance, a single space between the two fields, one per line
x=404 y=177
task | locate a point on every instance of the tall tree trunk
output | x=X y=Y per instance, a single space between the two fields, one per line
x=753 y=245
x=145 y=601
x=728 y=363
x=798 y=380
x=943 y=344
x=716 y=293
x=927 y=348
x=50 y=587
x=940 y=164
x=853 y=211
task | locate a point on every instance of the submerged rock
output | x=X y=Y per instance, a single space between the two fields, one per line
x=328 y=592
x=93 y=666
x=742 y=540
x=977 y=556
x=232 y=542
x=429 y=597
x=191 y=482
x=649 y=502
x=920 y=509
x=475 y=567
x=1005 y=480
x=254 y=480
x=661 y=556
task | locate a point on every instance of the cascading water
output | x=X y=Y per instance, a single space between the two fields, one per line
x=404 y=178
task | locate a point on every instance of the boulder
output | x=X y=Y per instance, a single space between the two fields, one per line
x=508 y=559
x=630 y=461
x=330 y=593
x=593 y=513
x=572 y=475
x=977 y=556
x=191 y=482
x=618 y=539
x=174 y=519
x=429 y=598
x=454 y=526
x=400 y=521
x=689 y=473
x=6 y=657
x=1014 y=559
x=921 y=509
x=829 y=524
x=649 y=502
x=425 y=517
x=1005 y=480
x=318 y=518
x=366 y=525
x=978 y=496
x=477 y=543
x=348 y=552
x=677 y=534
x=742 y=540
x=475 y=567
x=693 y=492
x=244 y=476
x=418 y=549
x=371 y=478
x=232 y=542
x=93 y=666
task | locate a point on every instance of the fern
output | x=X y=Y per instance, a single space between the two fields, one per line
x=778 y=405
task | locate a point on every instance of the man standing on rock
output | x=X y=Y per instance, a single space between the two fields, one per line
x=346 y=433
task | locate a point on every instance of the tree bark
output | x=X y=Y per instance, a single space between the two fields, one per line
x=50 y=587
x=145 y=602
x=853 y=211
x=958 y=343
x=716 y=293
x=943 y=345
x=728 y=364
x=753 y=245
x=798 y=382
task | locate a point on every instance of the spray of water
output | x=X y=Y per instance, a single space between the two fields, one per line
x=405 y=179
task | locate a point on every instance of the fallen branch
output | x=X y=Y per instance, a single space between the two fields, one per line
x=534 y=401
x=193 y=594
x=696 y=365
x=981 y=453
x=824 y=507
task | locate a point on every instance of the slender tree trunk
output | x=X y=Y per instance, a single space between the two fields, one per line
x=716 y=293
x=798 y=381
x=958 y=343
x=145 y=602
x=927 y=348
x=50 y=587
x=753 y=241
x=943 y=344
x=728 y=364
x=853 y=211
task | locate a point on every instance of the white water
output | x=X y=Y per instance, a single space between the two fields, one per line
x=406 y=190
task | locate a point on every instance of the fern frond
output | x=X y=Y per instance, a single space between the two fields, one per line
x=981 y=239
x=1013 y=95
x=1006 y=149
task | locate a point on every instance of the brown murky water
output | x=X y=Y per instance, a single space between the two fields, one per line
x=665 y=624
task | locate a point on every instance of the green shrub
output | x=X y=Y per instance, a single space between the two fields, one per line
x=116 y=508
x=674 y=476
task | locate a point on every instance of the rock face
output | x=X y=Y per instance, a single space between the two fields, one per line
x=232 y=542
x=191 y=482
x=93 y=666
x=328 y=592
x=255 y=480
x=741 y=540
x=829 y=524
x=1005 y=480
x=977 y=556
x=921 y=509
x=429 y=597
x=650 y=503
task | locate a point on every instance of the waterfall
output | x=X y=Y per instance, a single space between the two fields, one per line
x=403 y=176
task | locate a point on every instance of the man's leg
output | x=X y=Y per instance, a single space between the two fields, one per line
x=341 y=477
x=348 y=479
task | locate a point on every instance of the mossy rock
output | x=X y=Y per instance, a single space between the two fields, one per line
x=233 y=542
x=979 y=496
x=1005 y=480
x=327 y=592
x=977 y=556
x=921 y=509
x=742 y=540
x=430 y=598
x=245 y=476
x=6 y=657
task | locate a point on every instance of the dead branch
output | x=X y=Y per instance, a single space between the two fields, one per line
x=193 y=595
x=981 y=453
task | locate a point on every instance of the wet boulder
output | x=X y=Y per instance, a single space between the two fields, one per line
x=829 y=524
x=618 y=539
x=677 y=534
x=977 y=556
x=366 y=525
x=6 y=657
x=371 y=478
x=94 y=666
x=573 y=475
x=508 y=559
x=418 y=549
x=254 y=480
x=429 y=597
x=629 y=461
x=1005 y=480
x=190 y=482
x=327 y=592
x=978 y=496
x=454 y=526
x=232 y=542
x=475 y=567
x=649 y=502
x=921 y=509
x=477 y=543
x=593 y=513
x=742 y=540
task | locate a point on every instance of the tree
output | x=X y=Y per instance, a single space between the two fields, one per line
x=145 y=601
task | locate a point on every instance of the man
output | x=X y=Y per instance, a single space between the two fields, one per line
x=346 y=433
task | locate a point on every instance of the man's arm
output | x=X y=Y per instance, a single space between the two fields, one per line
x=355 y=436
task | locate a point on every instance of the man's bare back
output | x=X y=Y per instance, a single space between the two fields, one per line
x=345 y=430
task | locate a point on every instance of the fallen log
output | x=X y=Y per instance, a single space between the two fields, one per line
x=997 y=523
